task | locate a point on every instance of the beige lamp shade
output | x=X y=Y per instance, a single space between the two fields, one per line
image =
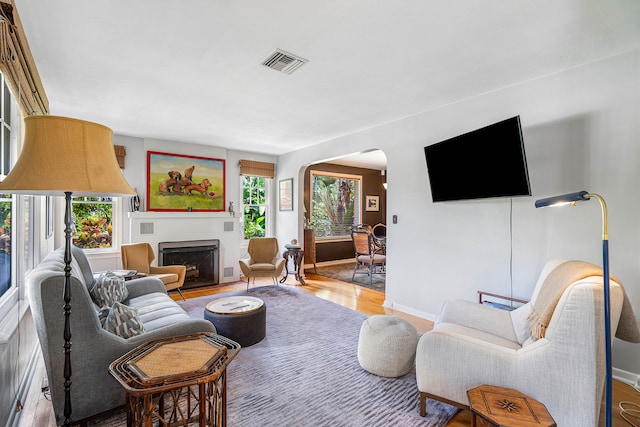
x=61 y=154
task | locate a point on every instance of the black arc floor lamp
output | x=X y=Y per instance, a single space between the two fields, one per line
x=70 y=156
x=571 y=199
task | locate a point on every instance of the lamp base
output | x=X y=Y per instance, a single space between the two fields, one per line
x=67 y=309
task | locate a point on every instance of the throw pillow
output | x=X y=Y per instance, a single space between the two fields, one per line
x=123 y=321
x=521 y=325
x=102 y=314
x=109 y=288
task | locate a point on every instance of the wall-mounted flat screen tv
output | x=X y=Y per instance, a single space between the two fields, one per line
x=484 y=163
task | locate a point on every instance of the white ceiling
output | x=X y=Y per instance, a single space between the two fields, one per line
x=374 y=159
x=190 y=71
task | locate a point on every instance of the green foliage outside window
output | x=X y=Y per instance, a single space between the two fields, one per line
x=5 y=223
x=254 y=201
x=5 y=243
x=333 y=204
x=92 y=227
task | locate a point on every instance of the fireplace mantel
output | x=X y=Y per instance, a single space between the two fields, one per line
x=156 y=227
x=180 y=215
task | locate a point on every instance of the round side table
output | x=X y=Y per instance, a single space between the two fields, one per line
x=297 y=255
x=239 y=318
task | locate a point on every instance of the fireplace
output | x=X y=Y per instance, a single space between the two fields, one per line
x=199 y=256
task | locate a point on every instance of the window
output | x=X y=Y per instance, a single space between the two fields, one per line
x=335 y=203
x=92 y=222
x=28 y=244
x=254 y=205
x=11 y=218
x=5 y=243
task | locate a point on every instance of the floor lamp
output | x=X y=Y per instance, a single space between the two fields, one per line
x=70 y=156
x=571 y=199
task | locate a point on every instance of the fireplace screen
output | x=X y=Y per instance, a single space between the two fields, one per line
x=199 y=256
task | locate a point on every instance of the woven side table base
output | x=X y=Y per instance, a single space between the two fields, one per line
x=176 y=381
x=387 y=346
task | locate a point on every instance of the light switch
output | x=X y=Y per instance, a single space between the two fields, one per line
x=395 y=219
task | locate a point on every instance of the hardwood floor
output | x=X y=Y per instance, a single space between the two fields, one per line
x=38 y=412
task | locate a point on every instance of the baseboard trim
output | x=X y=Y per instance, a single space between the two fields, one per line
x=409 y=310
x=627 y=377
x=330 y=263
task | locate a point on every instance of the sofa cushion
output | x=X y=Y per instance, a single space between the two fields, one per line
x=157 y=310
x=80 y=264
x=123 y=321
x=108 y=289
x=76 y=271
x=476 y=334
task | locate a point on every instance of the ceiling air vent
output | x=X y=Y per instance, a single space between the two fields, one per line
x=284 y=61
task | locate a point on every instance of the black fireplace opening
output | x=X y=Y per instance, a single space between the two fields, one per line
x=199 y=256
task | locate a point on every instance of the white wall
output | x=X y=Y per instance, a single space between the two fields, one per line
x=581 y=129
x=135 y=172
x=191 y=226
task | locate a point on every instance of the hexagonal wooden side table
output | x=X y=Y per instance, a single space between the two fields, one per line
x=499 y=406
x=176 y=381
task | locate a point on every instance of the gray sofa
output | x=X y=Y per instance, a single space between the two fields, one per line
x=93 y=389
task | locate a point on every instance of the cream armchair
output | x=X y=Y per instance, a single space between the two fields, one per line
x=139 y=256
x=472 y=344
x=264 y=259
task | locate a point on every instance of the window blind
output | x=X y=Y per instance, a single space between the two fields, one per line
x=17 y=64
x=254 y=168
x=121 y=152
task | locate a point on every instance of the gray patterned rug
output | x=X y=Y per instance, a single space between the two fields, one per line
x=306 y=372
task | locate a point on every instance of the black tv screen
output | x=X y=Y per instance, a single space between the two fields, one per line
x=484 y=163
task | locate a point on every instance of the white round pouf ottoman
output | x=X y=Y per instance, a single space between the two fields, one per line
x=387 y=345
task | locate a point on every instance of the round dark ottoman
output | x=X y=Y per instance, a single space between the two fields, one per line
x=241 y=318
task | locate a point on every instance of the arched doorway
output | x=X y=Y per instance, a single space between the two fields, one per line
x=364 y=175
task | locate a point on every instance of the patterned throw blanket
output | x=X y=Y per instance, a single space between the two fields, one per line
x=554 y=286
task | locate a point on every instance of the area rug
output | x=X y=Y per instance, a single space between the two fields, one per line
x=305 y=372
x=343 y=272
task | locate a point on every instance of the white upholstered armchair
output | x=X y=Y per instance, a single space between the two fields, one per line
x=474 y=344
